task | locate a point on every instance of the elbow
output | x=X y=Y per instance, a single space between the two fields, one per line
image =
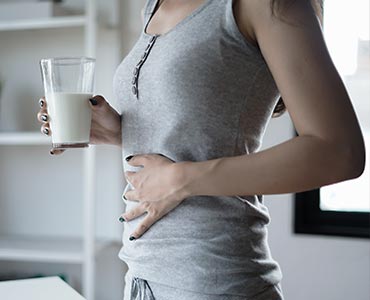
x=347 y=161
x=360 y=167
x=355 y=161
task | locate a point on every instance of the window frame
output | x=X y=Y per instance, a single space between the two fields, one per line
x=310 y=219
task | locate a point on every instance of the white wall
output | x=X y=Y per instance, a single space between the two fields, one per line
x=19 y=56
x=313 y=266
x=41 y=194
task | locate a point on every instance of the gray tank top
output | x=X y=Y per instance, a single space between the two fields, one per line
x=198 y=92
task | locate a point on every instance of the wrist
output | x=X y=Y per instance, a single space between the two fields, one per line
x=116 y=137
x=196 y=176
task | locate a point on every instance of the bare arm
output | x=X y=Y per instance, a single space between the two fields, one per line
x=330 y=146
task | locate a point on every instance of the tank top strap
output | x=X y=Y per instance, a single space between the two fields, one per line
x=232 y=29
x=149 y=8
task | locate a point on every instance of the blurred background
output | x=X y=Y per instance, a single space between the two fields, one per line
x=58 y=214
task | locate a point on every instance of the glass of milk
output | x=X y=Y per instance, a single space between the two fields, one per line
x=68 y=86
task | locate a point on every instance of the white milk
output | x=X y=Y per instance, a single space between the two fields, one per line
x=70 y=117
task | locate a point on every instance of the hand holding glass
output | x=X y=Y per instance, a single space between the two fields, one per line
x=68 y=86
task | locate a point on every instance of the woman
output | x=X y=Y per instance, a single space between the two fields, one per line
x=196 y=93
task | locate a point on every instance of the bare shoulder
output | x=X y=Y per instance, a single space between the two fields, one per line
x=255 y=16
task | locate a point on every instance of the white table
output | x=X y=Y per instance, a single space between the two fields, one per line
x=45 y=288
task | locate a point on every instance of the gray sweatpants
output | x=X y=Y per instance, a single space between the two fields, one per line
x=141 y=289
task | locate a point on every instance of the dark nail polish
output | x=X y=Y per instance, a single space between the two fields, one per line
x=129 y=157
x=51 y=152
x=121 y=219
x=41 y=103
x=46 y=131
x=44 y=118
x=124 y=197
x=132 y=238
x=93 y=101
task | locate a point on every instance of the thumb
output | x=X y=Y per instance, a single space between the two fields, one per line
x=97 y=101
x=56 y=151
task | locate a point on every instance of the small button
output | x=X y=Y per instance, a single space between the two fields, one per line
x=144 y=55
x=150 y=44
x=134 y=90
x=136 y=71
x=134 y=80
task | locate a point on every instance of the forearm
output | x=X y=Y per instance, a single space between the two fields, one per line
x=113 y=137
x=299 y=164
x=116 y=140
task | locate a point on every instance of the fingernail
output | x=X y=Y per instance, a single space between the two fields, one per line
x=132 y=238
x=41 y=102
x=124 y=197
x=129 y=157
x=51 y=152
x=44 y=118
x=93 y=101
x=46 y=131
x=121 y=219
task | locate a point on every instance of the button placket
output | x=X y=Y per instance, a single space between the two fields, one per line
x=136 y=71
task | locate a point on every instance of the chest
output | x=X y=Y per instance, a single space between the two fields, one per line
x=203 y=76
x=167 y=14
x=171 y=13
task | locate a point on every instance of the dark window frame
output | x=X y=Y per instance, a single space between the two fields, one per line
x=310 y=219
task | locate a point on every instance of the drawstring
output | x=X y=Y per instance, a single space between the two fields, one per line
x=140 y=290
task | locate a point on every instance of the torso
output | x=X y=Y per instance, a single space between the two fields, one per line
x=203 y=93
x=171 y=12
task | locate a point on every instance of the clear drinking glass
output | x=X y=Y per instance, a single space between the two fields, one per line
x=68 y=85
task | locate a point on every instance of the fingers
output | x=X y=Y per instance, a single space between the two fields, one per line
x=43 y=117
x=144 y=159
x=145 y=224
x=138 y=160
x=170 y=159
x=56 y=151
x=45 y=129
x=131 y=195
x=135 y=212
x=97 y=101
x=42 y=102
x=131 y=179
